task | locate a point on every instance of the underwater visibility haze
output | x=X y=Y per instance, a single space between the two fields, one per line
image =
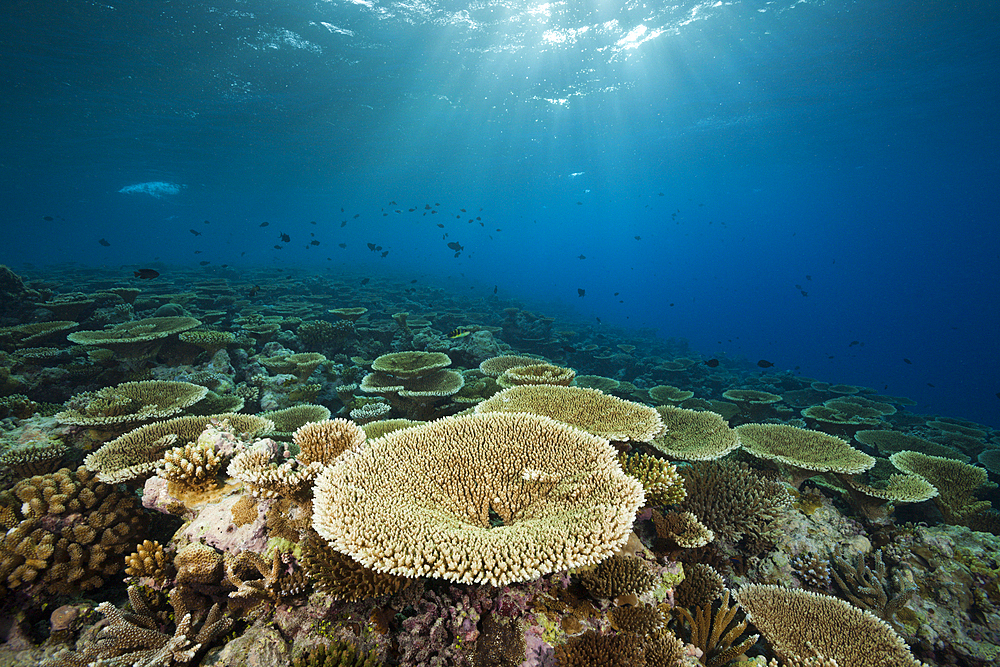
x=799 y=197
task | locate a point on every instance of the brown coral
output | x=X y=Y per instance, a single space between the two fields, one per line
x=619 y=575
x=802 y=451
x=493 y=498
x=132 y=403
x=324 y=441
x=692 y=435
x=341 y=576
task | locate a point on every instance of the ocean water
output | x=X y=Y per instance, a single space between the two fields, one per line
x=811 y=183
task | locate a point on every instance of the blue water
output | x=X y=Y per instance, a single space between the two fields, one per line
x=758 y=150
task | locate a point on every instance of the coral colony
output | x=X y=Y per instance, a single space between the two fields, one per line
x=407 y=478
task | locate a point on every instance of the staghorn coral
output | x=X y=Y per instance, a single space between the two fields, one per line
x=71 y=534
x=642 y=619
x=131 y=403
x=193 y=466
x=803 y=452
x=660 y=479
x=280 y=579
x=716 y=632
x=801 y=624
x=342 y=577
x=733 y=501
x=317 y=334
x=265 y=478
x=592 y=650
x=700 y=587
x=132 y=640
x=692 y=435
x=493 y=498
x=33 y=458
x=868 y=588
x=135 y=454
x=587 y=409
x=619 y=575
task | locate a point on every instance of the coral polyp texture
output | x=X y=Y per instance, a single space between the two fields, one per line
x=132 y=403
x=801 y=624
x=71 y=535
x=588 y=409
x=495 y=498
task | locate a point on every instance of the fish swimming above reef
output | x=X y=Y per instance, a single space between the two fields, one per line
x=195 y=232
x=155 y=189
x=264 y=224
x=104 y=242
x=764 y=363
x=454 y=245
x=581 y=291
x=285 y=238
x=712 y=363
x=146 y=274
x=460 y=332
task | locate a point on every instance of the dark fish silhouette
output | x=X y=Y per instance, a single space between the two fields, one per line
x=253 y=291
x=312 y=222
x=146 y=274
x=907 y=361
x=207 y=222
x=357 y=215
x=454 y=245
x=385 y=252
x=371 y=246
x=712 y=363
x=47 y=218
x=204 y=262
x=582 y=257
x=804 y=293
x=314 y=242
x=441 y=225
x=854 y=342
x=264 y=224
x=638 y=238
x=764 y=363
x=343 y=223
x=104 y=242
x=581 y=291
x=285 y=238
x=364 y=281
x=342 y=245
x=195 y=232
x=197 y=252
x=495 y=289
x=277 y=247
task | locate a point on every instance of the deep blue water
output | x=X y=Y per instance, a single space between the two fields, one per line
x=758 y=150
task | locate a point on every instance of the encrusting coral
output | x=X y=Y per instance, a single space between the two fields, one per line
x=495 y=498
x=587 y=409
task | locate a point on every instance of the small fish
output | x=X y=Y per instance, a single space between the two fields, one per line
x=47 y=218
x=146 y=274
x=712 y=363
x=253 y=291
x=854 y=342
x=277 y=247
x=596 y=318
x=197 y=252
x=907 y=361
x=495 y=289
x=441 y=225
x=461 y=332
x=371 y=246
x=364 y=281
x=454 y=245
x=385 y=252
x=204 y=262
x=804 y=293
x=764 y=363
x=314 y=242
x=264 y=224
x=581 y=291
x=357 y=215
x=343 y=223
x=462 y=210
x=207 y=222
x=998 y=394
x=582 y=257
x=195 y=232
x=638 y=238
x=342 y=245
x=285 y=238
x=104 y=242
x=312 y=222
